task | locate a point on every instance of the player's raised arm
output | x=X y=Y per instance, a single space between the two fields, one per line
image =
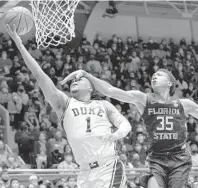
x=108 y=90
x=55 y=97
x=118 y=120
x=190 y=107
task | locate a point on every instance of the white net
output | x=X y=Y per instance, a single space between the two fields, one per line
x=54 y=21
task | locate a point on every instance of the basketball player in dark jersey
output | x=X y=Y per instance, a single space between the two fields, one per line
x=165 y=117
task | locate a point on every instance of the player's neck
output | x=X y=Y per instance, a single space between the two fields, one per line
x=83 y=98
x=162 y=96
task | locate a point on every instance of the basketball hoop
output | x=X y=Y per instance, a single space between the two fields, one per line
x=54 y=21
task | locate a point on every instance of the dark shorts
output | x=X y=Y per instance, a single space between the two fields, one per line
x=170 y=171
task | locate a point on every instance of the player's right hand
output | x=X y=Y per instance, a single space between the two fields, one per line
x=13 y=34
x=74 y=75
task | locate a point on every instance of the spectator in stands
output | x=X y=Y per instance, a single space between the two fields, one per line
x=194 y=155
x=31 y=118
x=22 y=94
x=42 y=186
x=12 y=163
x=59 y=140
x=31 y=186
x=58 y=183
x=40 y=151
x=5 y=62
x=34 y=102
x=190 y=182
x=67 y=149
x=4 y=96
x=68 y=163
x=125 y=161
x=25 y=142
x=141 y=140
x=4 y=179
x=3 y=155
x=14 y=183
x=131 y=185
x=136 y=161
x=33 y=179
x=55 y=157
x=35 y=52
x=14 y=108
x=191 y=125
x=71 y=182
x=93 y=66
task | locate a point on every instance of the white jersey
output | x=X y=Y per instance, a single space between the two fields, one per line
x=84 y=123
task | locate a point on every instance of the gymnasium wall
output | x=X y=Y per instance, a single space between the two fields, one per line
x=160 y=27
x=130 y=25
x=121 y=25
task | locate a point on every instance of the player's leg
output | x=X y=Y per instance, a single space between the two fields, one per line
x=156 y=178
x=180 y=173
x=112 y=174
x=118 y=178
x=152 y=183
x=153 y=180
x=83 y=179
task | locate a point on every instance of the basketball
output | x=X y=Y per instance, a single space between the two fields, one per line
x=21 y=17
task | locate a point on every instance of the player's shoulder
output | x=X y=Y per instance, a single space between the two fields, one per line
x=106 y=103
x=108 y=106
x=138 y=95
x=189 y=106
x=63 y=96
x=187 y=102
x=138 y=92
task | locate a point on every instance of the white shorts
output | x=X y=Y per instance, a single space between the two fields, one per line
x=109 y=175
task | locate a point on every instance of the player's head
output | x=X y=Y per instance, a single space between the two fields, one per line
x=81 y=87
x=163 y=79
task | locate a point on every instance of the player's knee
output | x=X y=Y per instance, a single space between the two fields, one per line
x=152 y=183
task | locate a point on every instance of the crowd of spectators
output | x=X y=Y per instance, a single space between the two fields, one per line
x=125 y=64
x=34 y=181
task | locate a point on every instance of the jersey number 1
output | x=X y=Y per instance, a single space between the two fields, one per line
x=88 y=125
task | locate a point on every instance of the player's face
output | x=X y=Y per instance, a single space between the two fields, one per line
x=160 y=79
x=82 y=85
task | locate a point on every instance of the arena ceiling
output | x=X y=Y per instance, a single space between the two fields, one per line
x=166 y=9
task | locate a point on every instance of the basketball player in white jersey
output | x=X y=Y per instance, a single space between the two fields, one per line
x=164 y=115
x=88 y=125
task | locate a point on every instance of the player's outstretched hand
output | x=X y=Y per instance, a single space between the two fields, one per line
x=13 y=34
x=74 y=75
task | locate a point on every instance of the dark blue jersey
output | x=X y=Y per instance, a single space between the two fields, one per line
x=166 y=124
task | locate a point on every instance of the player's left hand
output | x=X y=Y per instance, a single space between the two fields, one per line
x=74 y=75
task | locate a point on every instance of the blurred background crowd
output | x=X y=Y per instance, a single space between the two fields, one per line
x=125 y=63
